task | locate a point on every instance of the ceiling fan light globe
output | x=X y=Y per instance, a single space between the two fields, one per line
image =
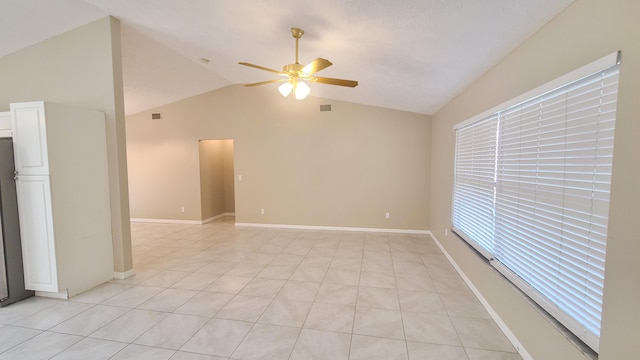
x=285 y=89
x=302 y=90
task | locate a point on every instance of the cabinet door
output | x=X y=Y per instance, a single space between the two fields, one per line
x=29 y=138
x=36 y=232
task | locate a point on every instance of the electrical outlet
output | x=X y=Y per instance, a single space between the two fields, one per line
x=387 y=215
x=262 y=211
x=182 y=209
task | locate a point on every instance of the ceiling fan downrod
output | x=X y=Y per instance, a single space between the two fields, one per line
x=297 y=34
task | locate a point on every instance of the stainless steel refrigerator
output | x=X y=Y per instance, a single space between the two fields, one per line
x=11 y=271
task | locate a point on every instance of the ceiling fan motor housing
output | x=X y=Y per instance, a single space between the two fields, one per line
x=293 y=69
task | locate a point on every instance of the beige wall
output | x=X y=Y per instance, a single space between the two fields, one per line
x=81 y=68
x=216 y=177
x=229 y=178
x=345 y=168
x=586 y=31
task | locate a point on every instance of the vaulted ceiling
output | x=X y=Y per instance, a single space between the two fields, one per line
x=412 y=55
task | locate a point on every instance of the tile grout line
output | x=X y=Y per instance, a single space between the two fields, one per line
x=295 y=343
x=355 y=307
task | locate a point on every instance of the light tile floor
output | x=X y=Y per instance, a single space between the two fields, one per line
x=215 y=291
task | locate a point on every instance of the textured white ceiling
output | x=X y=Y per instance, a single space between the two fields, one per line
x=412 y=55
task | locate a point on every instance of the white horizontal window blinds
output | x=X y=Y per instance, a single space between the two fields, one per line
x=474 y=185
x=531 y=192
x=552 y=201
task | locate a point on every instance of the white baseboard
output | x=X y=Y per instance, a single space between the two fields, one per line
x=217 y=217
x=166 y=221
x=185 y=222
x=63 y=295
x=494 y=315
x=334 y=228
x=124 y=275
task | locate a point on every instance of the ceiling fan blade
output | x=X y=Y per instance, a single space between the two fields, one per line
x=261 y=68
x=316 y=65
x=331 y=81
x=266 y=82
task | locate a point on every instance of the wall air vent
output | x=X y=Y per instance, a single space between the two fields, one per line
x=156 y=116
x=326 y=107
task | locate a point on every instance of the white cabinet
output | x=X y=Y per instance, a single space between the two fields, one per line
x=62 y=184
x=29 y=140
x=36 y=220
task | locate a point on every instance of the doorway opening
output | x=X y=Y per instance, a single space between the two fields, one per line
x=217 y=193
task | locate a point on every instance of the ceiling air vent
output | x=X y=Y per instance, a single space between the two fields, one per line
x=156 y=116
x=326 y=107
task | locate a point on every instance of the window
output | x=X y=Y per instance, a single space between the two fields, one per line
x=474 y=186
x=531 y=193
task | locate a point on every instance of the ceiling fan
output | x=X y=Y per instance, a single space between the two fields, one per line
x=297 y=72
